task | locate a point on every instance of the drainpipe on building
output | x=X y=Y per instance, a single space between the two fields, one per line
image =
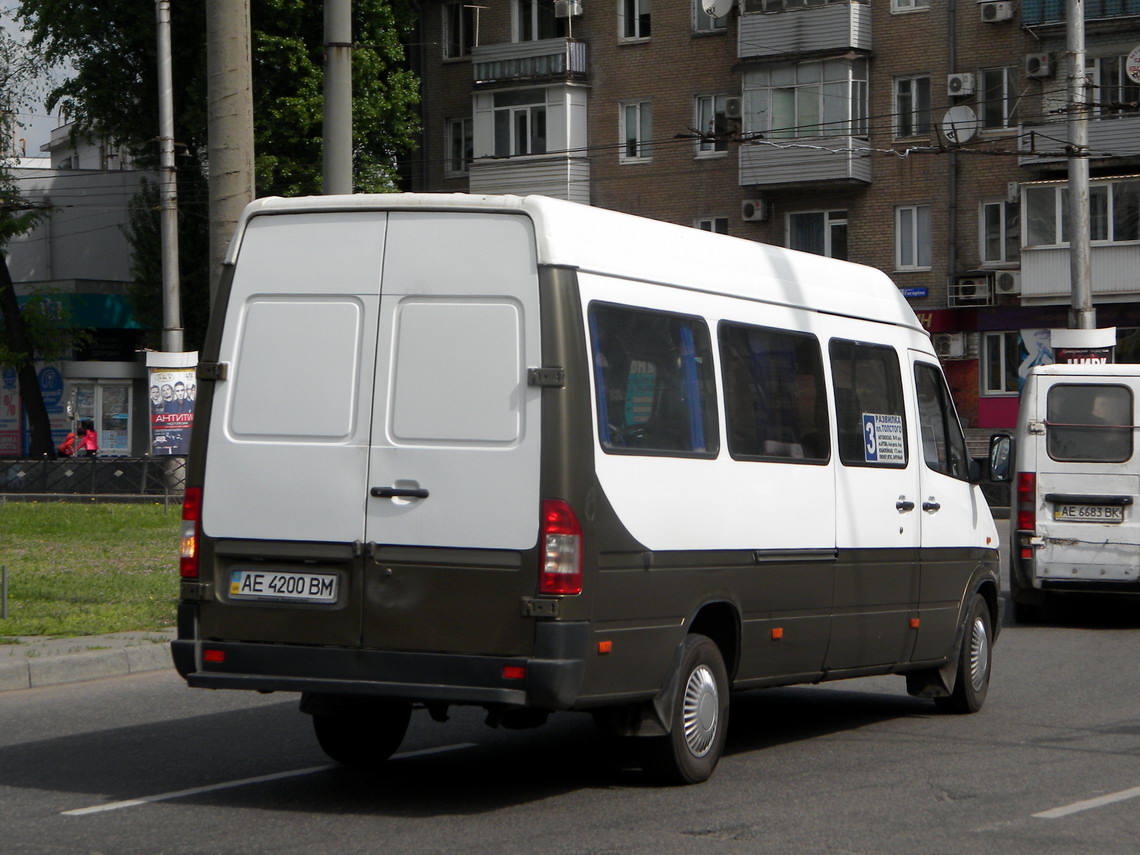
x=952 y=178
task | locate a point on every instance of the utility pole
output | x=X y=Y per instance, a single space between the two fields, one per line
x=168 y=188
x=337 y=162
x=1082 y=315
x=229 y=93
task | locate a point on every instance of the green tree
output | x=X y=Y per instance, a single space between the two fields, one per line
x=113 y=91
x=23 y=333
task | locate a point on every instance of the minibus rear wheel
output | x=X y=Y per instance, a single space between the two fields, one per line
x=363 y=734
x=974 y=657
x=688 y=754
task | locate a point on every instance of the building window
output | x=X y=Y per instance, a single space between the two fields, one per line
x=636 y=131
x=719 y=225
x=1001 y=232
x=520 y=122
x=458 y=28
x=807 y=99
x=1114 y=93
x=820 y=232
x=633 y=19
x=1114 y=213
x=909 y=5
x=460 y=146
x=912 y=106
x=705 y=23
x=534 y=20
x=998 y=102
x=1001 y=357
x=912 y=237
x=711 y=121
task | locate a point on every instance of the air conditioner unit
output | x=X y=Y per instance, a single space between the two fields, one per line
x=1013 y=192
x=1007 y=282
x=993 y=12
x=969 y=291
x=960 y=84
x=950 y=345
x=754 y=211
x=567 y=8
x=734 y=107
x=1038 y=65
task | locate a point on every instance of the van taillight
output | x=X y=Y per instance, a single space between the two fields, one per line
x=561 y=539
x=1027 y=502
x=188 y=542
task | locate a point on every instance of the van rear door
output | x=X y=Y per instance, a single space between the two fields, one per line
x=1088 y=479
x=376 y=427
x=453 y=474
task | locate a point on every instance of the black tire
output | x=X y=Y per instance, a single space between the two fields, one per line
x=688 y=754
x=363 y=735
x=974 y=661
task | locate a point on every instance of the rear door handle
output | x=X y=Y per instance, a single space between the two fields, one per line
x=399 y=492
x=902 y=506
x=931 y=506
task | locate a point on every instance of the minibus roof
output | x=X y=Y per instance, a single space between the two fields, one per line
x=611 y=243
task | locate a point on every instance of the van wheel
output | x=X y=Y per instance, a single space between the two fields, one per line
x=973 y=677
x=365 y=734
x=698 y=719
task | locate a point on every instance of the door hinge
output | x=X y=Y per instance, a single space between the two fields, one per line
x=213 y=370
x=546 y=378
x=1036 y=427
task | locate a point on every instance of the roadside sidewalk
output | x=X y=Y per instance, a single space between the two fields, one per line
x=39 y=661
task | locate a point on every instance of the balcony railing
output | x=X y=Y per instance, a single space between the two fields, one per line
x=546 y=59
x=806 y=161
x=771 y=35
x=1042 y=12
x=1112 y=136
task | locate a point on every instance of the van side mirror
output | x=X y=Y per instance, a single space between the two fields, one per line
x=1001 y=458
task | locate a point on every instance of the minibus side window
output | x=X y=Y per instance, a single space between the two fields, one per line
x=869 y=415
x=943 y=444
x=1089 y=423
x=653 y=373
x=774 y=399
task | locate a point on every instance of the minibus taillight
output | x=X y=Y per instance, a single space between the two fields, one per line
x=188 y=542
x=561 y=539
x=1027 y=502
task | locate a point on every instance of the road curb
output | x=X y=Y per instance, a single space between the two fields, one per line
x=30 y=666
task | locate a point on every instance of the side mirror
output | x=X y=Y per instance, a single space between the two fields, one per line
x=1001 y=458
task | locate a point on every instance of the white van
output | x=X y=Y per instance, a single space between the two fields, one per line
x=1074 y=526
x=536 y=456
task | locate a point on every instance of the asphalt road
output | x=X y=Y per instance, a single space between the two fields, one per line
x=142 y=764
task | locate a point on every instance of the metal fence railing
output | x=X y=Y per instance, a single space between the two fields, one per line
x=97 y=476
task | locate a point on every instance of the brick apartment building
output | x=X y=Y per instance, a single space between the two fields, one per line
x=923 y=137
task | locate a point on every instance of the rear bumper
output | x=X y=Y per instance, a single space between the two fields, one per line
x=552 y=681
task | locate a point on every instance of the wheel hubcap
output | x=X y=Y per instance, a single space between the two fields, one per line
x=979 y=655
x=701 y=711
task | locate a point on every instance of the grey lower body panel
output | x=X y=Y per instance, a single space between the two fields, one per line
x=552 y=676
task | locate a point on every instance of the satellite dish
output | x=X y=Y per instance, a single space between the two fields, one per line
x=717 y=8
x=959 y=124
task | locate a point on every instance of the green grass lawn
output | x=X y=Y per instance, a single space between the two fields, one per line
x=87 y=569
